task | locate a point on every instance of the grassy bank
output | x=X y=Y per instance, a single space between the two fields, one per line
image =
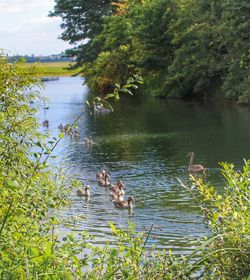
x=45 y=69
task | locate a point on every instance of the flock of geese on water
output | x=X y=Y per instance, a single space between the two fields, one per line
x=116 y=191
x=69 y=130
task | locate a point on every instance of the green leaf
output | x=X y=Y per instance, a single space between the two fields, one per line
x=87 y=102
x=110 y=95
x=97 y=99
x=113 y=228
x=39 y=144
x=61 y=135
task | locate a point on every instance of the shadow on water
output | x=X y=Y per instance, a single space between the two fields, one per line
x=145 y=143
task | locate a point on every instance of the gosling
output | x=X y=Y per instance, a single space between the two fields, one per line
x=124 y=204
x=85 y=192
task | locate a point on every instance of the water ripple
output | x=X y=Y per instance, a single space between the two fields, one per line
x=146 y=148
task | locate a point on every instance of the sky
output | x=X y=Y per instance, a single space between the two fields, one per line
x=25 y=28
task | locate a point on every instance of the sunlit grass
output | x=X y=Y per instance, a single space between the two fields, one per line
x=44 y=69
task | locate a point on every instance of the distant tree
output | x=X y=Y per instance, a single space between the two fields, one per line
x=21 y=59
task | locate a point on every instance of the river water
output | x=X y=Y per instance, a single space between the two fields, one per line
x=145 y=144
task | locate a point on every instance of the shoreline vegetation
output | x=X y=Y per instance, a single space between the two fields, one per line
x=32 y=194
x=181 y=49
x=48 y=69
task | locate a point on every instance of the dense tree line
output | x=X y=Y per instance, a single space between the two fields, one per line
x=182 y=48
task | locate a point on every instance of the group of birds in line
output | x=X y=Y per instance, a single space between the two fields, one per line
x=69 y=130
x=116 y=191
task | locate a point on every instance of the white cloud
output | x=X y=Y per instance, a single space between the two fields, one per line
x=44 y=20
x=17 y=6
x=10 y=9
x=25 y=27
x=9 y=29
x=32 y=24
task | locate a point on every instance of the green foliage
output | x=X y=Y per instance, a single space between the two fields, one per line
x=181 y=48
x=152 y=48
x=109 y=68
x=125 y=257
x=82 y=21
x=235 y=24
x=196 y=65
x=211 y=49
x=113 y=63
x=30 y=191
x=21 y=59
x=227 y=254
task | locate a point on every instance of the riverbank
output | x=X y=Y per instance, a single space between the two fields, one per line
x=48 y=69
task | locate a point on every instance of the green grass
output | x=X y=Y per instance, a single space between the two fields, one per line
x=45 y=69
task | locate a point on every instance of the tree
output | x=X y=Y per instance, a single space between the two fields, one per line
x=30 y=191
x=234 y=29
x=198 y=56
x=152 y=49
x=82 y=20
x=182 y=48
x=211 y=44
x=21 y=59
x=113 y=63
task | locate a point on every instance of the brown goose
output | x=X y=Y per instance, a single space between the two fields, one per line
x=194 y=167
x=60 y=126
x=85 y=192
x=124 y=204
x=100 y=175
x=76 y=133
x=118 y=187
x=104 y=182
x=88 y=141
x=46 y=123
x=116 y=196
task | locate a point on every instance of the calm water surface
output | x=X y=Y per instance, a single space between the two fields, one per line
x=144 y=143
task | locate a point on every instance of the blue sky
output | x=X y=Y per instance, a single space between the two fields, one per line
x=25 y=28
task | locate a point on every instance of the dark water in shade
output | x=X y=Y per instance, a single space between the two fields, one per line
x=144 y=143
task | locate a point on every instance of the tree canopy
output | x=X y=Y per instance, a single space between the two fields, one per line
x=182 y=48
x=82 y=20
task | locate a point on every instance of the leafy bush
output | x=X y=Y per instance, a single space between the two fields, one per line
x=227 y=252
x=30 y=191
